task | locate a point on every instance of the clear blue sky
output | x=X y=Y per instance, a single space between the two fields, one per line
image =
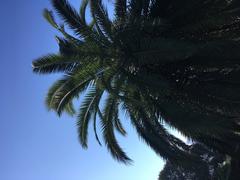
x=36 y=144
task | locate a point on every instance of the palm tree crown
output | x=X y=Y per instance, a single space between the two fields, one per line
x=161 y=61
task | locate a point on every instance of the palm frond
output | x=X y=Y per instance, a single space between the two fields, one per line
x=54 y=63
x=85 y=114
x=101 y=15
x=72 y=18
x=76 y=84
x=65 y=90
x=70 y=109
x=108 y=132
x=48 y=15
x=68 y=47
x=119 y=127
x=95 y=126
x=83 y=8
x=52 y=92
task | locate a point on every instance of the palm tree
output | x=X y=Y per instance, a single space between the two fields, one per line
x=161 y=61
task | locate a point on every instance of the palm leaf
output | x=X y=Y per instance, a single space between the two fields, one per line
x=72 y=18
x=70 y=109
x=76 y=84
x=55 y=63
x=95 y=125
x=48 y=15
x=63 y=91
x=108 y=133
x=101 y=16
x=83 y=8
x=85 y=114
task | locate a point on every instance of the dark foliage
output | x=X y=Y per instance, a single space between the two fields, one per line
x=214 y=166
x=163 y=61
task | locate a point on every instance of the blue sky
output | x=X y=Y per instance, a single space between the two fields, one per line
x=35 y=143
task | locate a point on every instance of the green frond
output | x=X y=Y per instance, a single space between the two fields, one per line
x=95 y=126
x=72 y=18
x=108 y=132
x=52 y=93
x=83 y=8
x=67 y=93
x=48 y=15
x=85 y=113
x=68 y=14
x=116 y=121
x=65 y=90
x=54 y=63
x=70 y=109
x=71 y=47
x=119 y=127
x=100 y=13
x=96 y=110
x=69 y=37
x=76 y=84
